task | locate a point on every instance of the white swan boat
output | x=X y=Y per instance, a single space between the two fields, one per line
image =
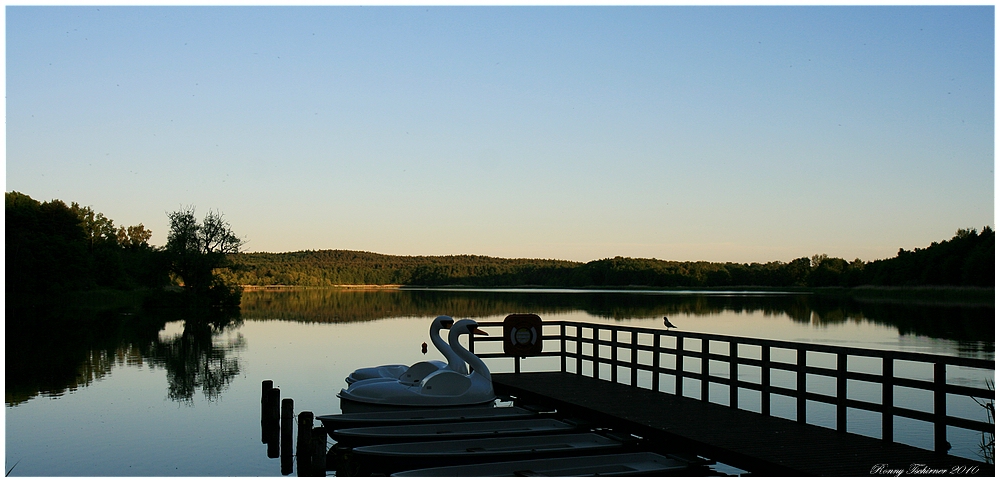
x=641 y=464
x=419 y=370
x=432 y=415
x=359 y=436
x=444 y=387
x=389 y=458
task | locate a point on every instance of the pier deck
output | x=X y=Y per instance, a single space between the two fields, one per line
x=763 y=445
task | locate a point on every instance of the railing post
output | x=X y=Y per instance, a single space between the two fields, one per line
x=579 y=350
x=614 y=355
x=562 y=347
x=734 y=368
x=596 y=332
x=679 y=366
x=704 y=370
x=765 y=380
x=841 y=392
x=635 y=353
x=800 y=385
x=656 y=362
x=887 y=402
x=941 y=444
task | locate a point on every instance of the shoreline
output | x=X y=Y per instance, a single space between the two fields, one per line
x=934 y=295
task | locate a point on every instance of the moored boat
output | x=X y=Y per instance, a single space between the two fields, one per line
x=641 y=464
x=389 y=458
x=414 y=373
x=432 y=415
x=441 y=388
x=452 y=430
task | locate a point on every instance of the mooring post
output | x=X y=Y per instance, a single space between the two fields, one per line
x=286 y=435
x=303 y=444
x=274 y=405
x=265 y=388
x=272 y=415
x=318 y=462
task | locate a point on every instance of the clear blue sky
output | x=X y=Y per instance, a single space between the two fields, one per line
x=681 y=133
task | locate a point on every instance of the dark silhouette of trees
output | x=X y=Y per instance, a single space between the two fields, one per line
x=196 y=250
x=967 y=259
x=52 y=247
x=46 y=247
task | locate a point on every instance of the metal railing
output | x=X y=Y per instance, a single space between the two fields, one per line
x=687 y=356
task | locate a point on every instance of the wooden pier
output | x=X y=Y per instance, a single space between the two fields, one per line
x=600 y=365
x=759 y=444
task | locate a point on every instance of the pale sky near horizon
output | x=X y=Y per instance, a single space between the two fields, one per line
x=746 y=134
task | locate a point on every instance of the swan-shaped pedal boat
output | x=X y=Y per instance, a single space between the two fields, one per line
x=419 y=370
x=441 y=388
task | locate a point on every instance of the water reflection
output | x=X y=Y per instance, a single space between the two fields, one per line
x=54 y=350
x=196 y=359
x=973 y=327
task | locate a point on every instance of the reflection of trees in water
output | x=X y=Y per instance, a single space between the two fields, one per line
x=50 y=352
x=320 y=306
x=972 y=325
x=195 y=360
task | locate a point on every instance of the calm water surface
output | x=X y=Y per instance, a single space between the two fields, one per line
x=175 y=399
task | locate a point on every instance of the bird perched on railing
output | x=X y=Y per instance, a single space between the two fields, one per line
x=667 y=323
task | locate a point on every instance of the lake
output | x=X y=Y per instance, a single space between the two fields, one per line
x=147 y=394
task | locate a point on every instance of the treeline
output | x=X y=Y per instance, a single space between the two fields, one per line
x=54 y=248
x=965 y=260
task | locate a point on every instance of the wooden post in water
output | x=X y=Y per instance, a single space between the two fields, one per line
x=303 y=445
x=318 y=462
x=265 y=388
x=272 y=426
x=274 y=405
x=286 y=435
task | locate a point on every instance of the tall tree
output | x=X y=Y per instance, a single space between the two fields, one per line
x=197 y=250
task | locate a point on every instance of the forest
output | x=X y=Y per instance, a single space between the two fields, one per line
x=967 y=259
x=53 y=247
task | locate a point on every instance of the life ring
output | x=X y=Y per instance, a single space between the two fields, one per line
x=522 y=335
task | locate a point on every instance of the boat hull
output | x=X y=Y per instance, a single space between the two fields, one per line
x=641 y=464
x=387 y=434
x=434 y=415
x=390 y=458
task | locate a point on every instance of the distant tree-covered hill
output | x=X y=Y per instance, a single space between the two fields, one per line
x=965 y=260
x=54 y=247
